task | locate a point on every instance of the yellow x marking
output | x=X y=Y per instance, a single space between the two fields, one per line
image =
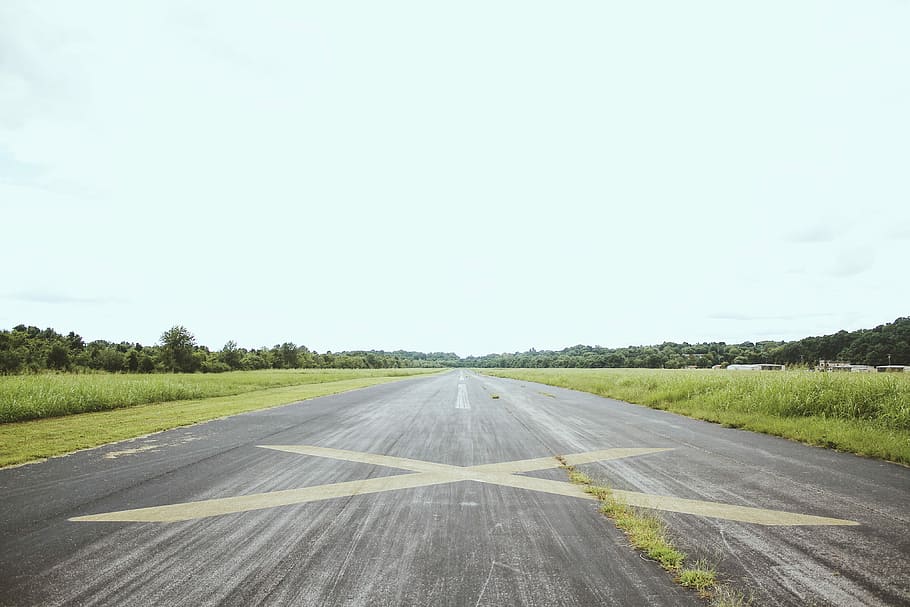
x=424 y=474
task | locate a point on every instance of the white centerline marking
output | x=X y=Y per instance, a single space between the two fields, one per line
x=462 y=402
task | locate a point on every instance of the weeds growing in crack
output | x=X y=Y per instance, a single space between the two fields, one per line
x=648 y=533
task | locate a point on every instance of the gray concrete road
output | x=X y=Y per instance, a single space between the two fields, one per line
x=432 y=492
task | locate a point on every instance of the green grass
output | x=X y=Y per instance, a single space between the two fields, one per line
x=40 y=438
x=648 y=532
x=700 y=577
x=645 y=530
x=24 y=397
x=724 y=596
x=868 y=414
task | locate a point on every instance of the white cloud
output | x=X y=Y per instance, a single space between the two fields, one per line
x=812 y=234
x=852 y=262
x=57 y=298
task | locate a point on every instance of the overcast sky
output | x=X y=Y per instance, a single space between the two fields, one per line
x=466 y=176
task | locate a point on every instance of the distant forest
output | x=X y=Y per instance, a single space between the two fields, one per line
x=32 y=350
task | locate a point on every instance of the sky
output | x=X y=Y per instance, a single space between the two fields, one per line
x=467 y=177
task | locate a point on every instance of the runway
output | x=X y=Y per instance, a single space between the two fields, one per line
x=445 y=490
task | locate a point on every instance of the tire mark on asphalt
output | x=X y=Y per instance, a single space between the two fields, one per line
x=486 y=583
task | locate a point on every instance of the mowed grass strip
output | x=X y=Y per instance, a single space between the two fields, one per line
x=868 y=414
x=24 y=397
x=26 y=441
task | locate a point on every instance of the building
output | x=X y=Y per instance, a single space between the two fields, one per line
x=893 y=369
x=834 y=365
x=843 y=367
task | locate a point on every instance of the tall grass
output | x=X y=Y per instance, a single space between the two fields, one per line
x=844 y=410
x=24 y=397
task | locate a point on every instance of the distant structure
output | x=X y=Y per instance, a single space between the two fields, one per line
x=893 y=369
x=834 y=365
x=758 y=367
x=843 y=367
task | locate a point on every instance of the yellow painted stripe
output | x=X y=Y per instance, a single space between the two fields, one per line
x=430 y=473
x=389 y=461
x=545 y=463
x=259 y=501
x=744 y=514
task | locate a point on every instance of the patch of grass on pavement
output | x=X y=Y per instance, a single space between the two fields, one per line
x=700 y=577
x=579 y=478
x=647 y=532
x=727 y=597
x=26 y=441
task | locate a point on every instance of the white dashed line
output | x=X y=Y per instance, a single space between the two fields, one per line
x=462 y=402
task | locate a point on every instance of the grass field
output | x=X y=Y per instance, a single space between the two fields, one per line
x=868 y=414
x=83 y=411
x=24 y=397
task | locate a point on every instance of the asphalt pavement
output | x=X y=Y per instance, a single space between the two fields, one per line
x=445 y=490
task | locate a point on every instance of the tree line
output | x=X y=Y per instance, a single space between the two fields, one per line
x=27 y=349
x=885 y=344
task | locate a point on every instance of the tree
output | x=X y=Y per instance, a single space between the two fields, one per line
x=146 y=364
x=253 y=360
x=285 y=356
x=112 y=360
x=305 y=358
x=231 y=355
x=177 y=346
x=10 y=361
x=131 y=360
x=58 y=357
